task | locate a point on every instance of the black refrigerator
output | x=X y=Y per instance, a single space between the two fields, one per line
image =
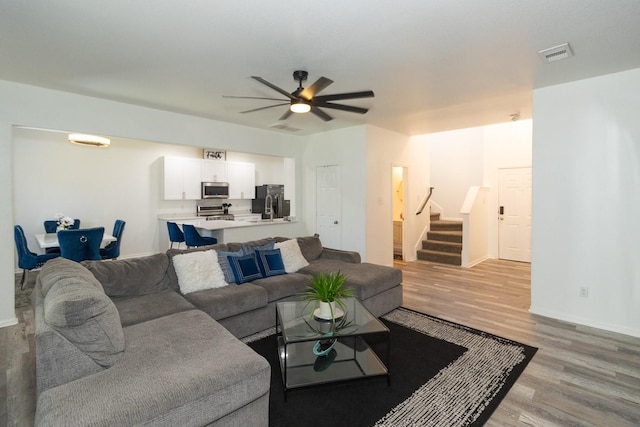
x=281 y=207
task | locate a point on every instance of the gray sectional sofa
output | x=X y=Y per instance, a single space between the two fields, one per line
x=118 y=344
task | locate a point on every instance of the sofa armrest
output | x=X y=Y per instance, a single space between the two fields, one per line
x=340 y=255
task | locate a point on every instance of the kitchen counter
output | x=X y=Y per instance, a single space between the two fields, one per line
x=246 y=228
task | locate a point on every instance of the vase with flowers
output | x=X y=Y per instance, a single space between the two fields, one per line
x=64 y=222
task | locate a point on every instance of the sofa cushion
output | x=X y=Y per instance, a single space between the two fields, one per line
x=279 y=287
x=270 y=262
x=183 y=369
x=245 y=268
x=132 y=276
x=365 y=279
x=225 y=266
x=138 y=309
x=291 y=255
x=62 y=271
x=310 y=246
x=224 y=302
x=198 y=271
x=87 y=318
x=250 y=248
x=250 y=245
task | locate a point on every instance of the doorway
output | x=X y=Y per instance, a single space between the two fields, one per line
x=514 y=215
x=397 y=201
x=328 y=207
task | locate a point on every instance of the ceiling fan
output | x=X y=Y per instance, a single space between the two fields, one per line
x=303 y=100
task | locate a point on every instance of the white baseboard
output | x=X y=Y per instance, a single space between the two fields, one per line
x=585 y=322
x=8 y=322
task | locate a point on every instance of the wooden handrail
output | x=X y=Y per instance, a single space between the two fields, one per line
x=425 y=201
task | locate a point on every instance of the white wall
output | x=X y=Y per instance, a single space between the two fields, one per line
x=29 y=106
x=96 y=185
x=472 y=157
x=506 y=145
x=386 y=149
x=456 y=163
x=345 y=148
x=586 y=208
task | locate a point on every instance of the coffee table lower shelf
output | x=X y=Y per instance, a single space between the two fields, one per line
x=350 y=359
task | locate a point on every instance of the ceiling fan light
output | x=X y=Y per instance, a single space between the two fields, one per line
x=91 y=140
x=300 y=107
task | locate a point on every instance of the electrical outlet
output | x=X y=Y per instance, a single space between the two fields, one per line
x=584 y=292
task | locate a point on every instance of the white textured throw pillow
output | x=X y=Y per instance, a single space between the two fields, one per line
x=198 y=271
x=291 y=255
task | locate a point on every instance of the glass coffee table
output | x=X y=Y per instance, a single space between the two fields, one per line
x=308 y=354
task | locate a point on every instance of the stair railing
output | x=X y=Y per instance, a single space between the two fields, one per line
x=425 y=200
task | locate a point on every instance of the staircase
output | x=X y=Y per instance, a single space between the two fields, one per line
x=444 y=242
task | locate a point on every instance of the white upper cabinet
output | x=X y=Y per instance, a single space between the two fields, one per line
x=214 y=170
x=241 y=177
x=182 y=178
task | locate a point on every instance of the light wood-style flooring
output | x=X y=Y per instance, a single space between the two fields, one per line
x=580 y=376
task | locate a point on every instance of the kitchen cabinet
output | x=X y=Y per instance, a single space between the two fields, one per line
x=182 y=178
x=214 y=170
x=241 y=177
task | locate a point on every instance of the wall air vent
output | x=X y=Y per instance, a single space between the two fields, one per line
x=285 y=127
x=557 y=53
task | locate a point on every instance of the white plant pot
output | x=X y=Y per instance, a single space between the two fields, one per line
x=325 y=310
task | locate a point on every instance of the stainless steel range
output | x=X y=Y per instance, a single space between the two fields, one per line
x=214 y=213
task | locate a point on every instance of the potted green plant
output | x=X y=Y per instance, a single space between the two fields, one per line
x=326 y=292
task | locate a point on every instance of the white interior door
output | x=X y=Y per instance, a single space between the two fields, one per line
x=515 y=214
x=328 y=206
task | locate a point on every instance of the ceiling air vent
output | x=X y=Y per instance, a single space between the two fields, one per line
x=557 y=53
x=285 y=127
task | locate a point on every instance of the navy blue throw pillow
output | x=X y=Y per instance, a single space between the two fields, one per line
x=270 y=262
x=245 y=268
x=225 y=266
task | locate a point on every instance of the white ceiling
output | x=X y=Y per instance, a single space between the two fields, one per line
x=433 y=64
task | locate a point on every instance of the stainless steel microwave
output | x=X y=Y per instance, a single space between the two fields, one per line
x=215 y=190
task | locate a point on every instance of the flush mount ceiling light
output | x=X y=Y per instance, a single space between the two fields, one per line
x=90 y=140
x=300 y=107
x=556 y=53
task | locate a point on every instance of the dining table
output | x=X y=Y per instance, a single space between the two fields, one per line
x=50 y=240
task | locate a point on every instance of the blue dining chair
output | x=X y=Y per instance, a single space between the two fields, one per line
x=82 y=244
x=192 y=238
x=175 y=234
x=27 y=260
x=51 y=226
x=112 y=250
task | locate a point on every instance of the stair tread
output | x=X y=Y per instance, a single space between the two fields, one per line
x=432 y=251
x=444 y=242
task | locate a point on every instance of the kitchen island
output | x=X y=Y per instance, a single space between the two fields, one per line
x=243 y=228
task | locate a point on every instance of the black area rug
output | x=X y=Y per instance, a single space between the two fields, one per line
x=442 y=374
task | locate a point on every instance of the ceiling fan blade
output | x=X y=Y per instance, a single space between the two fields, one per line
x=318 y=112
x=341 y=96
x=274 y=87
x=264 y=108
x=253 y=97
x=342 y=107
x=317 y=86
x=286 y=114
